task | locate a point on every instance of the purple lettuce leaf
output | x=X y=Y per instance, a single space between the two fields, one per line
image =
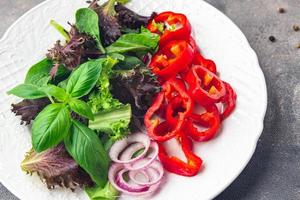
x=56 y=168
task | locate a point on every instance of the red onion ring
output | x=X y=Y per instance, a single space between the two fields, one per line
x=115 y=177
x=155 y=172
x=126 y=186
x=119 y=146
x=142 y=163
x=129 y=152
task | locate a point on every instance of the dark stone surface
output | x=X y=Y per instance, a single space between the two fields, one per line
x=274 y=171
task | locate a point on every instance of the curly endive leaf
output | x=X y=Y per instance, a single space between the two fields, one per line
x=56 y=168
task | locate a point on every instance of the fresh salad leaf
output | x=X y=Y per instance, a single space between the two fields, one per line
x=57 y=168
x=27 y=91
x=82 y=80
x=81 y=108
x=137 y=87
x=39 y=74
x=29 y=109
x=85 y=147
x=50 y=127
x=113 y=122
x=57 y=92
x=109 y=26
x=134 y=42
x=117 y=56
x=61 y=30
x=100 y=193
x=87 y=22
x=72 y=53
x=129 y=19
x=101 y=99
x=129 y=62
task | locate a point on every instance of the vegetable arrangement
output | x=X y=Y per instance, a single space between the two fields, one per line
x=115 y=72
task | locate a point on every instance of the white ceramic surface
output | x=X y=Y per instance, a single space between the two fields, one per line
x=224 y=157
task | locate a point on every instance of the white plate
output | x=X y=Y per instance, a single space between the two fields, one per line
x=224 y=157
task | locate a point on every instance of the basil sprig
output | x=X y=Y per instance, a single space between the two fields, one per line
x=52 y=124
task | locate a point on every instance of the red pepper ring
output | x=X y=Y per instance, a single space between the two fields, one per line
x=163 y=131
x=175 y=57
x=210 y=119
x=177 y=166
x=200 y=60
x=170 y=26
x=229 y=100
x=175 y=106
x=208 y=64
x=205 y=87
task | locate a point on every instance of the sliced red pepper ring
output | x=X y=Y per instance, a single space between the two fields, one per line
x=177 y=166
x=204 y=86
x=200 y=60
x=170 y=26
x=164 y=130
x=210 y=120
x=208 y=64
x=229 y=101
x=172 y=59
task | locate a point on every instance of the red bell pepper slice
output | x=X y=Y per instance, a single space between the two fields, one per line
x=229 y=101
x=210 y=120
x=158 y=129
x=208 y=64
x=170 y=26
x=177 y=166
x=175 y=57
x=200 y=60
x=205 y=87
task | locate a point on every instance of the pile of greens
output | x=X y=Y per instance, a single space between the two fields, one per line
x=86 y=94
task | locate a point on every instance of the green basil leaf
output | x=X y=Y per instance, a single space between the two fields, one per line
x=87 y=150
x=50 y=127
x=81 y=108
x=87 y=22
x=100 y=193
x=134 y=42
x=27 y=91
x=38 y=74
x=83 y=79
x=56 y=92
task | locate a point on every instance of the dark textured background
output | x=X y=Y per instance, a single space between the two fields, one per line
x=274 y=171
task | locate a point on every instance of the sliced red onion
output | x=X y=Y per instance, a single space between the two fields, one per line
x=142 y=163
x=155 y=173
x=126 y=185
x=145 y=164
x=115 y=177
x=129 y=151
x=119 y=147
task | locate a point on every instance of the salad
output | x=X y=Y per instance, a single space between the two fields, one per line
x=103 y=102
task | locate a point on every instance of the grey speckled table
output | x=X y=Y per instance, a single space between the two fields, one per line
x=274 y=171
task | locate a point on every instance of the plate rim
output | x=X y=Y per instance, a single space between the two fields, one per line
x=254 y=56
